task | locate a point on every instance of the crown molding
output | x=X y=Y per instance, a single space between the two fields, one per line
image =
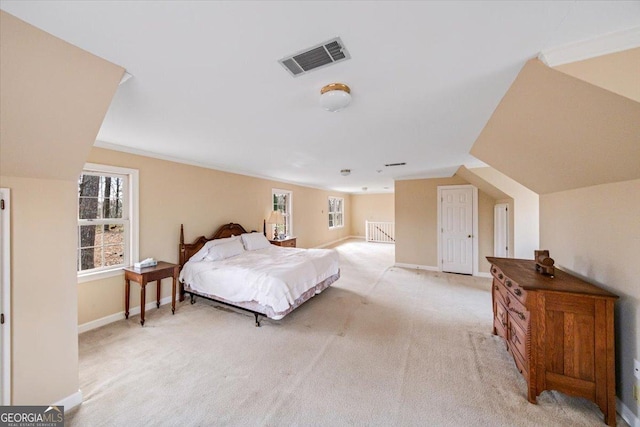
x=603 y=45
x=153 y=155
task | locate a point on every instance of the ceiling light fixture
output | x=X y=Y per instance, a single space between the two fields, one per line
x=335 y=96
x=345 y=172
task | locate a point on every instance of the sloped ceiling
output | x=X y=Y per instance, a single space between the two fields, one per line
x=482 y=184
x=618 y=72
x=53 y=99
x=553 y=132
x=207 y=88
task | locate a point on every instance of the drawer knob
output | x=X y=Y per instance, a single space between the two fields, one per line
x=508 y=282
x=500 y=276
x=517 y=291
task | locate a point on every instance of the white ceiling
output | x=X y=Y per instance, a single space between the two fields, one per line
x=207 y=87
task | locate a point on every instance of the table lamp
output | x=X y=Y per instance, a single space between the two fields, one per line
x=275 y=218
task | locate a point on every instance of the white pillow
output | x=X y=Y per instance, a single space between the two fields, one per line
x=202 y=253
x=254 y=241
x=225 y=250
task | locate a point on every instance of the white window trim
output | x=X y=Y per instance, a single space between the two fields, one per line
x=342 y=212
x=133 y=201
x=280 y=191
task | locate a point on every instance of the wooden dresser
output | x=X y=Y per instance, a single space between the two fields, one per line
x=559 y=330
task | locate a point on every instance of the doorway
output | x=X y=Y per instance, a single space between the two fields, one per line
x=458 y=224
x=501 y=230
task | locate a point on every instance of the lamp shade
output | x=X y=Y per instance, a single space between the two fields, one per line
x=335 y=97
x=276 y=217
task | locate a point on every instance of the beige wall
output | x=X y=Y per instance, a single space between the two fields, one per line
x=371 y=207
x=416 y=204
x=53 y=98
x=524 y=217
x=553 y=132
x=43 y=300
x=595 y=232
x=202 y=199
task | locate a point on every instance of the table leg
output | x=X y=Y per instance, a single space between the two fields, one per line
x=158 y=293
x=143 y=300
x=127 y=287
x=173 y=294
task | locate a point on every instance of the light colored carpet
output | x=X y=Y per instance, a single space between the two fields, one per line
x=382 y=346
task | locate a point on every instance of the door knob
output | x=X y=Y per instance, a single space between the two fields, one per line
x=469 y=236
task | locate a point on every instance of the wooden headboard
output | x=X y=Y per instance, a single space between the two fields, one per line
x=187 y=250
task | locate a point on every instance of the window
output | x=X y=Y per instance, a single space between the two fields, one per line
x=282 y=202
x=107 y=219
x=336 y=212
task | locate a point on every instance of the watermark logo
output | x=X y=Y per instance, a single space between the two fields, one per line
x=31 y=416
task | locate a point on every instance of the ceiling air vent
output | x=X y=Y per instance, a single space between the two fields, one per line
x=395 y=164
x=315 y=57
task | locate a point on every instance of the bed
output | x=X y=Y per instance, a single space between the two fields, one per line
x=239 y=269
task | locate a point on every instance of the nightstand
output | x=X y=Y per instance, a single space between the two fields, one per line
x=289 y=242
x=145 y=275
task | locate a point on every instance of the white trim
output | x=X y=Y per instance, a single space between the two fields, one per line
x=475 y=233
x=416 y=266
x=324 y=245
x=145 y=153
x=119 y=316
x=586 y=49
x=627 y=414
x=290 y=207
x=98 y=275
x=70 y=401
x=335 y=212
x=133 y=204
x=5 y=282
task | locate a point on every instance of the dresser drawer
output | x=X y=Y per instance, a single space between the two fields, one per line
x=516 y=290
x=521 y=364
x=517 y=312
x=497 y=273
x=500 y=321
x=517 y=339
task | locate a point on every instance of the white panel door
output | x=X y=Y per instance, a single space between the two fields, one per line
x=501 y=230
x=457 y=230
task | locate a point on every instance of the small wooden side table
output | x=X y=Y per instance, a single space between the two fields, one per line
x=146 y=275
x=287 y=242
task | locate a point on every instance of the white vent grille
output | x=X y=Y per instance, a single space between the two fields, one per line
x=322 y=55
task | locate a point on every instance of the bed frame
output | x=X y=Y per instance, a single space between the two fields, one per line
x=187 y=250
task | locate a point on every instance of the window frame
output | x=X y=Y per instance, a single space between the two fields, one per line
x=130 y=207
x=334 y=213
x=289 y=215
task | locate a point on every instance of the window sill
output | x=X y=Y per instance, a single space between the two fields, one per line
x=98 y=275
x=337 y=226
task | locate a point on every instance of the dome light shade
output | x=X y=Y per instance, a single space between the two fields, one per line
x=335 y=96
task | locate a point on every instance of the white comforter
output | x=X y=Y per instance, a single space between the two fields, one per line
x=272 y=276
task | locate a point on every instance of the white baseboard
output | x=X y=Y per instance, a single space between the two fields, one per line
x=416 y=266
x=627 y=414
x=119 y=316
x=71 y=401
x=483 y=274
x=334 y=242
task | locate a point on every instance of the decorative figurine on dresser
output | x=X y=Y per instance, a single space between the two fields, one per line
x=558 y=328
